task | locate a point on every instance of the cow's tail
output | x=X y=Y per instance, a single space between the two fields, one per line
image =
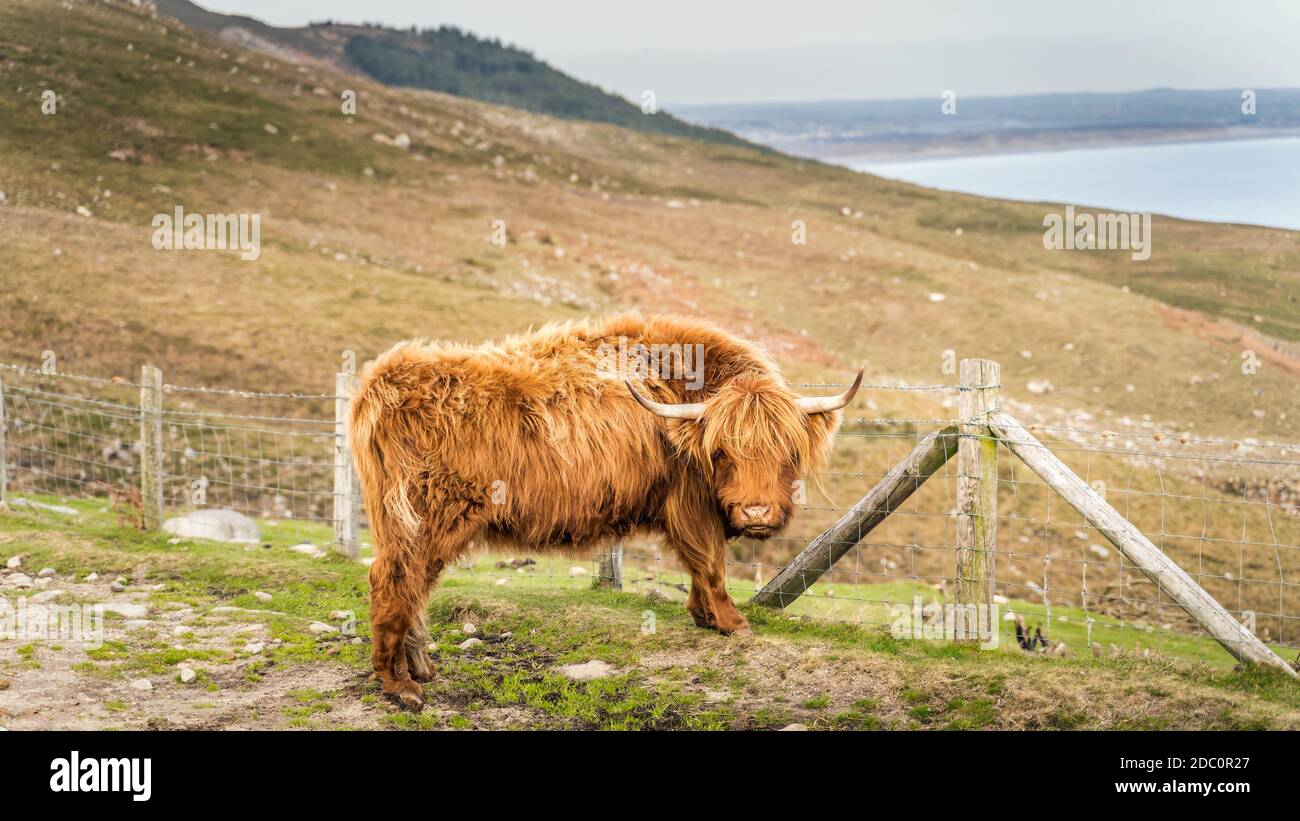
x=385 y=467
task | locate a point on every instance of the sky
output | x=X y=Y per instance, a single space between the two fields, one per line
x=717 y=51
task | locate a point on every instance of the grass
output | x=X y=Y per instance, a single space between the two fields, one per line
x=825 y=675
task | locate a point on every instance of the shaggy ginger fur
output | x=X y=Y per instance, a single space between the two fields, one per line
x=527 y=441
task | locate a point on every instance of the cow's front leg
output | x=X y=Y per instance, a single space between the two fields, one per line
x=709 y=603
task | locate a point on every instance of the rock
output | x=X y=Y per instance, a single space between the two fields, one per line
x=128 y=610
x=308 y=549
x=182 y=630
x=655 y=594
x=20 y=580
x=173 y=540
x=470 y=643
x=1040 y=386
x=188 y=676
x=142 y=684
x=432 y=648
x=47 y=595
x=117 y=587
x=14 y=561
x=216 y=524
x=254 y=647
x=45 y=573
x=65 y=510
x=1096 y=650
x=92 y=577
x=796 y=727
x=321 y=628
x=338 y=615
x=260 y=596
x=469 y=628
x=587 y=671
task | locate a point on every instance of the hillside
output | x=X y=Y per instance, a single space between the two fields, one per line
x=365 y=241
x=444 y=59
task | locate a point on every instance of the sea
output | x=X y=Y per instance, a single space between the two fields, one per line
x=1251 y=181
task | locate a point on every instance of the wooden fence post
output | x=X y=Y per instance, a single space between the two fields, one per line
x=347 y=489
x=4 y=464
x=610 y=574
x=151 y=443
x=977 y=492
x=1137 y=548
x=823 y=552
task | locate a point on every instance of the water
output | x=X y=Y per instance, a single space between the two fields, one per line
x=1243 y=181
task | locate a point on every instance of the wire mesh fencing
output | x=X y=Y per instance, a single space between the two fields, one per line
x=265 y=455
x=1227 y=512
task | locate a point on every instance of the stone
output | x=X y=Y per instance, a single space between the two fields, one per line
x=92 y=577
x=254 y=647
x=188 y=676
x=470 y=643
x=127 y=610
x=261 y=596
x=63 y=509
x=321 y=628
x=215 y=524
x=796 y=727
x=14 y=561
x=339 y=615
x=45 y=573
x=182 y=630
x=142 y=684
x=117 y=587
x=19 y=580
x=587 y=671
x=469 y=628
x=308 y=549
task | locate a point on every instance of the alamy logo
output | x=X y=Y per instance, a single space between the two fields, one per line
x=660 y=360
x=945 y=622
x=180 y=231
x=1098 y=232
x=77 y=774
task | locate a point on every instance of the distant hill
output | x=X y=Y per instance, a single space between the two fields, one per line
x=901 y=128
x=445 y=59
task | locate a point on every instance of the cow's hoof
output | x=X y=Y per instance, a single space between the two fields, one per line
x=406 y=693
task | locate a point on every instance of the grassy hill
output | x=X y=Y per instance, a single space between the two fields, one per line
x=365 y=243
x=449 y=60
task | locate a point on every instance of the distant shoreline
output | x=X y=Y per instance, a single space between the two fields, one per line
x=856 y=153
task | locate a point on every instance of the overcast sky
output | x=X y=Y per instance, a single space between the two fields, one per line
x=698 y=51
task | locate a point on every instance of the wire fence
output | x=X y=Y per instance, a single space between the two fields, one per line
x=1227 y=512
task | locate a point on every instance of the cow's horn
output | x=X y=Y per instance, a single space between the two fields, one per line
x=687 y=410
x=822 y=404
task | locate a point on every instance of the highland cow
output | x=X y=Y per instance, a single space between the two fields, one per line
x=543 y=440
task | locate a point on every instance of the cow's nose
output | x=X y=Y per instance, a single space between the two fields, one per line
x=757 y=511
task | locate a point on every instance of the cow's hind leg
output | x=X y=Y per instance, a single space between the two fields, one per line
x=400 y=581
x=397 y=588
x=417 y=636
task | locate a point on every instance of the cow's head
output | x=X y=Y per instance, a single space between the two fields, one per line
x=752 y=439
